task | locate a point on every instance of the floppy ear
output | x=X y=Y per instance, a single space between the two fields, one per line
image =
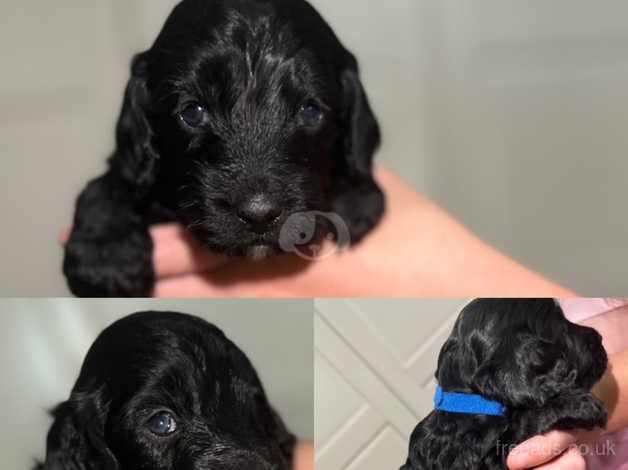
x=284 y=438
x=260 y=408
x=273 y=425
x=76 y=439
x=135 y=157
x=535 y=373
x=459 y=360
x=448 y=371
x=357 y=198
x=360 y=128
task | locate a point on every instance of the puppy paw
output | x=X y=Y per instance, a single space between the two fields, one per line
x=360 y=205
x=110 y=267
x=575 y=411
x=593 y=412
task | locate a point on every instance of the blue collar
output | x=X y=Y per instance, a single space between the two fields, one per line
x=465 y=403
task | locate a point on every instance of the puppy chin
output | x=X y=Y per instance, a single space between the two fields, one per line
x=260 y=252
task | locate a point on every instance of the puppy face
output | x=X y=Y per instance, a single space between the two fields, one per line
x=521 y=352
x=164 y=391
x=241 y=114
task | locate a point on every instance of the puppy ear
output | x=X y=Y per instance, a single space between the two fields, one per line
x=361 y=134
x=76 y=439
x=535 y=374
x=459 y=361
x=572 y=410
x=274 y=426
x=357 y=198
x=284 y=438
x=135 y=157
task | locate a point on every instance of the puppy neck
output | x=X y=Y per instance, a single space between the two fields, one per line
x=456 y=441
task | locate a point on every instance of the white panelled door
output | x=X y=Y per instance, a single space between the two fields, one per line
x=374 y=364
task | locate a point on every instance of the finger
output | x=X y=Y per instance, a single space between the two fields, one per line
x=176 y=253
x=64 y=236
x=304 y=456
x=189 y=286
x=277 y=277
x=539 y=450
x=192 y=286
x=570 y=460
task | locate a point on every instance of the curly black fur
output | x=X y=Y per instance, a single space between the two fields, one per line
x=524 y=354
x=153 y=361
x=252 y=64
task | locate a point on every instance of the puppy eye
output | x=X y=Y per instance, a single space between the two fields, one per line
x=193 y=114
x=310 y=114
x=162 y=424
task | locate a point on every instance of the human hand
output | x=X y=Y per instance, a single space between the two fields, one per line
x=556 y=450
x=416 y=250
x=304 y=456
x=185 y=269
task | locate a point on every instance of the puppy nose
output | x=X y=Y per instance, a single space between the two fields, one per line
x=259 y=211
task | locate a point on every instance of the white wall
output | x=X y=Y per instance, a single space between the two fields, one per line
x=43 y=343
x=527 y=111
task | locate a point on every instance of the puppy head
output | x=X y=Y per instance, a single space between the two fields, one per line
x=241 y=114
x=520 y=352
x=163 y=391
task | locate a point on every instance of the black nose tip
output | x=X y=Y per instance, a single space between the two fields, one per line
x=259 y=211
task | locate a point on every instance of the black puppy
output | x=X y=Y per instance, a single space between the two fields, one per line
x=524 y=355
x=162 y=391
x=242 y=114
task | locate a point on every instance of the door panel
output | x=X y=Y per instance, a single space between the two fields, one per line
x=374 y=366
